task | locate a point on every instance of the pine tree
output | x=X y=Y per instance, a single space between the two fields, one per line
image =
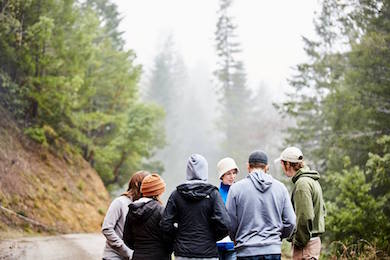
x=64 y=74
x=341 y=105
x=235 y=96
x=166 y=88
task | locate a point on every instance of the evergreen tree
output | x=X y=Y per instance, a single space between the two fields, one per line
x=335 y=92
x=65 y=75
x=166 y=88
x=341 y=106
x=235 y=96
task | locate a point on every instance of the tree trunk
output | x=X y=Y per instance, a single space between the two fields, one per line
x=116 y=170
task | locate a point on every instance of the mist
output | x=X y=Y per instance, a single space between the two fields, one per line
x=193 y=110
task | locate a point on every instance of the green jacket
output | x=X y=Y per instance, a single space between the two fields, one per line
x=308 y=205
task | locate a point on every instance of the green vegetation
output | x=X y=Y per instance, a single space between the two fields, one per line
x=341 y=105
x=64 y=75
x=37 y=134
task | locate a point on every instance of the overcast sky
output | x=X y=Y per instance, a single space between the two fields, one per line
x=270 y=32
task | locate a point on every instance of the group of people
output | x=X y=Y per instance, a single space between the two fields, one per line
x=247 y=219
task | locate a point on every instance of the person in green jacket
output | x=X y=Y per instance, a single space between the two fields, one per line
x=308 y=204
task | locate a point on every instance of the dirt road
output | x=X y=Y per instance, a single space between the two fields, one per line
x=71 y=246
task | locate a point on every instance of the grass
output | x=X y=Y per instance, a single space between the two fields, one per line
x=362 y=249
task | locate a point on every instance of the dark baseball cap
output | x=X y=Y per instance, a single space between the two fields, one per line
x=258 y=156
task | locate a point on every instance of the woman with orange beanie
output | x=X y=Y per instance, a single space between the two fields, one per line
x=142 y=230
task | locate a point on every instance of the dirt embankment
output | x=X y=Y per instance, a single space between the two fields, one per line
x=51 y=185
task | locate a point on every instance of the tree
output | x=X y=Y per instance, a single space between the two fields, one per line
x=166 y=88
x=334 y=92
x=361 y=208
x=235 y=96
x=63 y=71
x=341 y=104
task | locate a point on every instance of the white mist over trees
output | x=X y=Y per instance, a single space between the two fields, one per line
x=211 y=112
x=189 y=102
x=248 y=119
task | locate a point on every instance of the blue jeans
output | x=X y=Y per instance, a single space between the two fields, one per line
x=261 y=257
x=227 y=254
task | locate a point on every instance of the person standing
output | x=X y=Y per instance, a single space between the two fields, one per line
x=308 y=204
x=142 y=231
x=114 y=221
x=260 y=211
x=227 y=172
x=195 y=216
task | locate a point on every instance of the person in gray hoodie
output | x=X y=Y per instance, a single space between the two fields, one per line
x=260 y=211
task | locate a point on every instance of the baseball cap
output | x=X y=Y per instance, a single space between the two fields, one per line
x=258 y=156
x=291 y=154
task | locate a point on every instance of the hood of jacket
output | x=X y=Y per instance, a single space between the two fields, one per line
x=195 y=191
x=306 y=172
x=261 y=180
x=141 y=209
x=197 y=168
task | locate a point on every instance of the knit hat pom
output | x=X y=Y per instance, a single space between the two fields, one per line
x=152 y=185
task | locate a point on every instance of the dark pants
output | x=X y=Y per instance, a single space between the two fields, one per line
x=260 y=257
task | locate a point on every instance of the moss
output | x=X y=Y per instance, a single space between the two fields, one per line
x=37 y=205
x=101 y=211
x=81 y=185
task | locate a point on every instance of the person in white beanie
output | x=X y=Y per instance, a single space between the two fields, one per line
x=227 y=171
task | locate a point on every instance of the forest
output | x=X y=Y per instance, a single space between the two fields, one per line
x=65 y=75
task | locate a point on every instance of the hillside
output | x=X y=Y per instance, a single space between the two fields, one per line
x=50 y=185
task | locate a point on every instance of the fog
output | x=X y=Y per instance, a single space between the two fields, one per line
x=193 y=109
x=182 y=32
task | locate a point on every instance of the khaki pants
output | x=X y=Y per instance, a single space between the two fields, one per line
x=310 y=251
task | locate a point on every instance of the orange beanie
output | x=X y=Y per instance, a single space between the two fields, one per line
x=152 y=185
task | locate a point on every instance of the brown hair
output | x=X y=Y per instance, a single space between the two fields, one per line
x=158 y=198
x=257 y=165
x=296 y=166
x=134 y=187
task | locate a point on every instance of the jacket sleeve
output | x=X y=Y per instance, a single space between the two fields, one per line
x=232 y=211
x=288 y=217
x=220 y=219
x=166 y=240
x=303 y=205
x=113 y=215
x=169 y=218
x=127 y=233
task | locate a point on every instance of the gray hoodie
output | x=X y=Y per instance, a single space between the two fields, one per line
x=197 y=168
x=261 y=214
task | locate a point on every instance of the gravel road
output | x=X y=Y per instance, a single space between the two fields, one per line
x=71 y=246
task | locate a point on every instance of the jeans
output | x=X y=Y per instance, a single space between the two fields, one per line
x=227 y=254
x=261 y=257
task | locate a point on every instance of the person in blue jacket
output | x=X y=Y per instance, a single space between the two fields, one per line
x=227 y=170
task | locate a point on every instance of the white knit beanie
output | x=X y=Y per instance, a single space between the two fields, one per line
x=225 y=165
